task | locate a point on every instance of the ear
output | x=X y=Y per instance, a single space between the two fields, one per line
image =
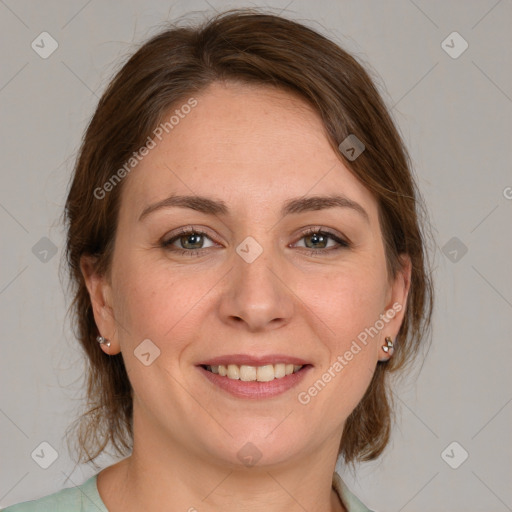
x=396 y=301
x=100 y=293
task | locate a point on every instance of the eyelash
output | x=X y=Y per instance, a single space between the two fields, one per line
x=342 y=244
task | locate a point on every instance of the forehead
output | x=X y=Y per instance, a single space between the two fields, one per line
x=252 y=146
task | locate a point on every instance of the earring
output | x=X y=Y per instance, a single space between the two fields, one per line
x=388 y=347
x=103 y=341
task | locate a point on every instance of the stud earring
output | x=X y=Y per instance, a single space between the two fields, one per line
x=388 y=347
x=103 y=341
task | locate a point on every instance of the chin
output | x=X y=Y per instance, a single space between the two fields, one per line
x=254 y=443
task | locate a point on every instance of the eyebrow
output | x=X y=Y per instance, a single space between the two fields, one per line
x=292 y=206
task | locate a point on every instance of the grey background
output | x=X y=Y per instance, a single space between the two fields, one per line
x=455 y=116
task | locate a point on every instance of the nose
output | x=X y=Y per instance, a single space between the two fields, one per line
x=258 y=297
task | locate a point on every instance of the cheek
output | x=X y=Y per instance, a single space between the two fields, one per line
x=347 y=307
x=347 y=300
x=155 y=302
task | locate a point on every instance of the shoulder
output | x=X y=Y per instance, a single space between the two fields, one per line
x=81 y=498
x=68 y=500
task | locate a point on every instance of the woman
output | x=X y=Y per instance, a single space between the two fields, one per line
x=249 y=267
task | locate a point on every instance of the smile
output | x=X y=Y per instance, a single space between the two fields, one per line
x=246 y=373
x=255 y=382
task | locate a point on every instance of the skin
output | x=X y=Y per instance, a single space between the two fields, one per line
x=253 y=148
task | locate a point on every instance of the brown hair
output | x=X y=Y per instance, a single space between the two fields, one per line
x=251 y=47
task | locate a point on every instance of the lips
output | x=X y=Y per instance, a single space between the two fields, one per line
x=255 y=377
x=255 y=389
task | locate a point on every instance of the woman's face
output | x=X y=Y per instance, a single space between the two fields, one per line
x=251 y=286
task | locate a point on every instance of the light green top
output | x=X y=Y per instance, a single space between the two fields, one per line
x=86 y=498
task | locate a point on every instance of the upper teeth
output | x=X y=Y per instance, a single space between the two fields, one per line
x=254 y=373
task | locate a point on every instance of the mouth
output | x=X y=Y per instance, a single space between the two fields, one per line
x=255 y=378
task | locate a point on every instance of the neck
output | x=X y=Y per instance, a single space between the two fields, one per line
x=162 y=471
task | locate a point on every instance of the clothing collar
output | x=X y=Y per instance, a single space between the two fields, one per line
x=349 y=500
